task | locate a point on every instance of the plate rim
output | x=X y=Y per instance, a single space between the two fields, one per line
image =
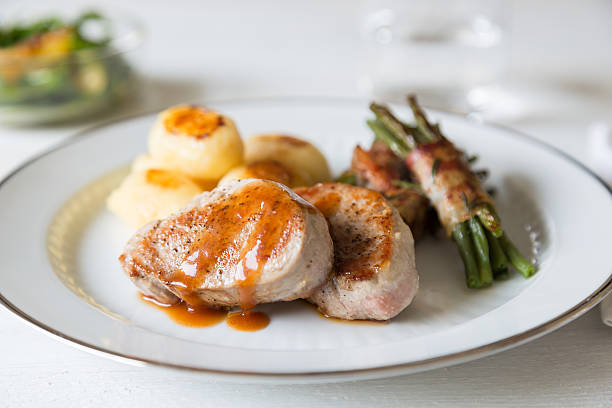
x=377 y=372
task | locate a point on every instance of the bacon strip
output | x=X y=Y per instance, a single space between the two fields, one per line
x=376 y=169
x=444 y=175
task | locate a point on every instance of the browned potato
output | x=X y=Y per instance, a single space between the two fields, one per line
x=269 y=170
x=146 y=162
x=151 y=194
x=298 y=155
x=196 y=141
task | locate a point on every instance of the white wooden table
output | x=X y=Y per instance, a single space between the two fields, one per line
x=264 y=48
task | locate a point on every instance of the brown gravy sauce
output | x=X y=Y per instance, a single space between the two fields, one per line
x=249 y=320
x=185 y=315
x=202 y=316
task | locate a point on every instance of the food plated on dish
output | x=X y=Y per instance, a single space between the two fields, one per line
x=226 y=225
x=69 y=248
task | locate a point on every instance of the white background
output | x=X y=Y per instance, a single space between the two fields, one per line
x=560 y=63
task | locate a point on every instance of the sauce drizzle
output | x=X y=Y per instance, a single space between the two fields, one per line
x=202 y=316
x=249 y=320
x=185 y=315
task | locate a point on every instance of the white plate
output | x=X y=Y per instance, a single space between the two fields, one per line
x=59 y=248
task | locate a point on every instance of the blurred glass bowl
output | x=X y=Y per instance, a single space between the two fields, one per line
x=57 y=75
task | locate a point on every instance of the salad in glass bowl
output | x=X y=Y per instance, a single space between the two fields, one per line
x=55 y=69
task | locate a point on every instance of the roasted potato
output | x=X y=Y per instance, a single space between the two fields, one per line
x=299 y=156
x=151 y=194
x=196 y=141
x=146 y=162
x=268 y=170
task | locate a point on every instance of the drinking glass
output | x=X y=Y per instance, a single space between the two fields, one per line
x=452 y=53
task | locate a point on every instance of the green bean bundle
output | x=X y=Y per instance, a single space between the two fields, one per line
x=464 y=208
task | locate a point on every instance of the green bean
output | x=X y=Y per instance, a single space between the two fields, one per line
x=393 y=125
x=430 y=132
x=517 y=260
x=461 y=235
x=489 y=219
x=501 y=275
x=499 y=260
x=347 y=177
x=481 y=245
x=398 y=146
x=407 y=185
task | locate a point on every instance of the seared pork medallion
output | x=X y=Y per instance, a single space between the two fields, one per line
x=246 y=242
x=374 y=274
